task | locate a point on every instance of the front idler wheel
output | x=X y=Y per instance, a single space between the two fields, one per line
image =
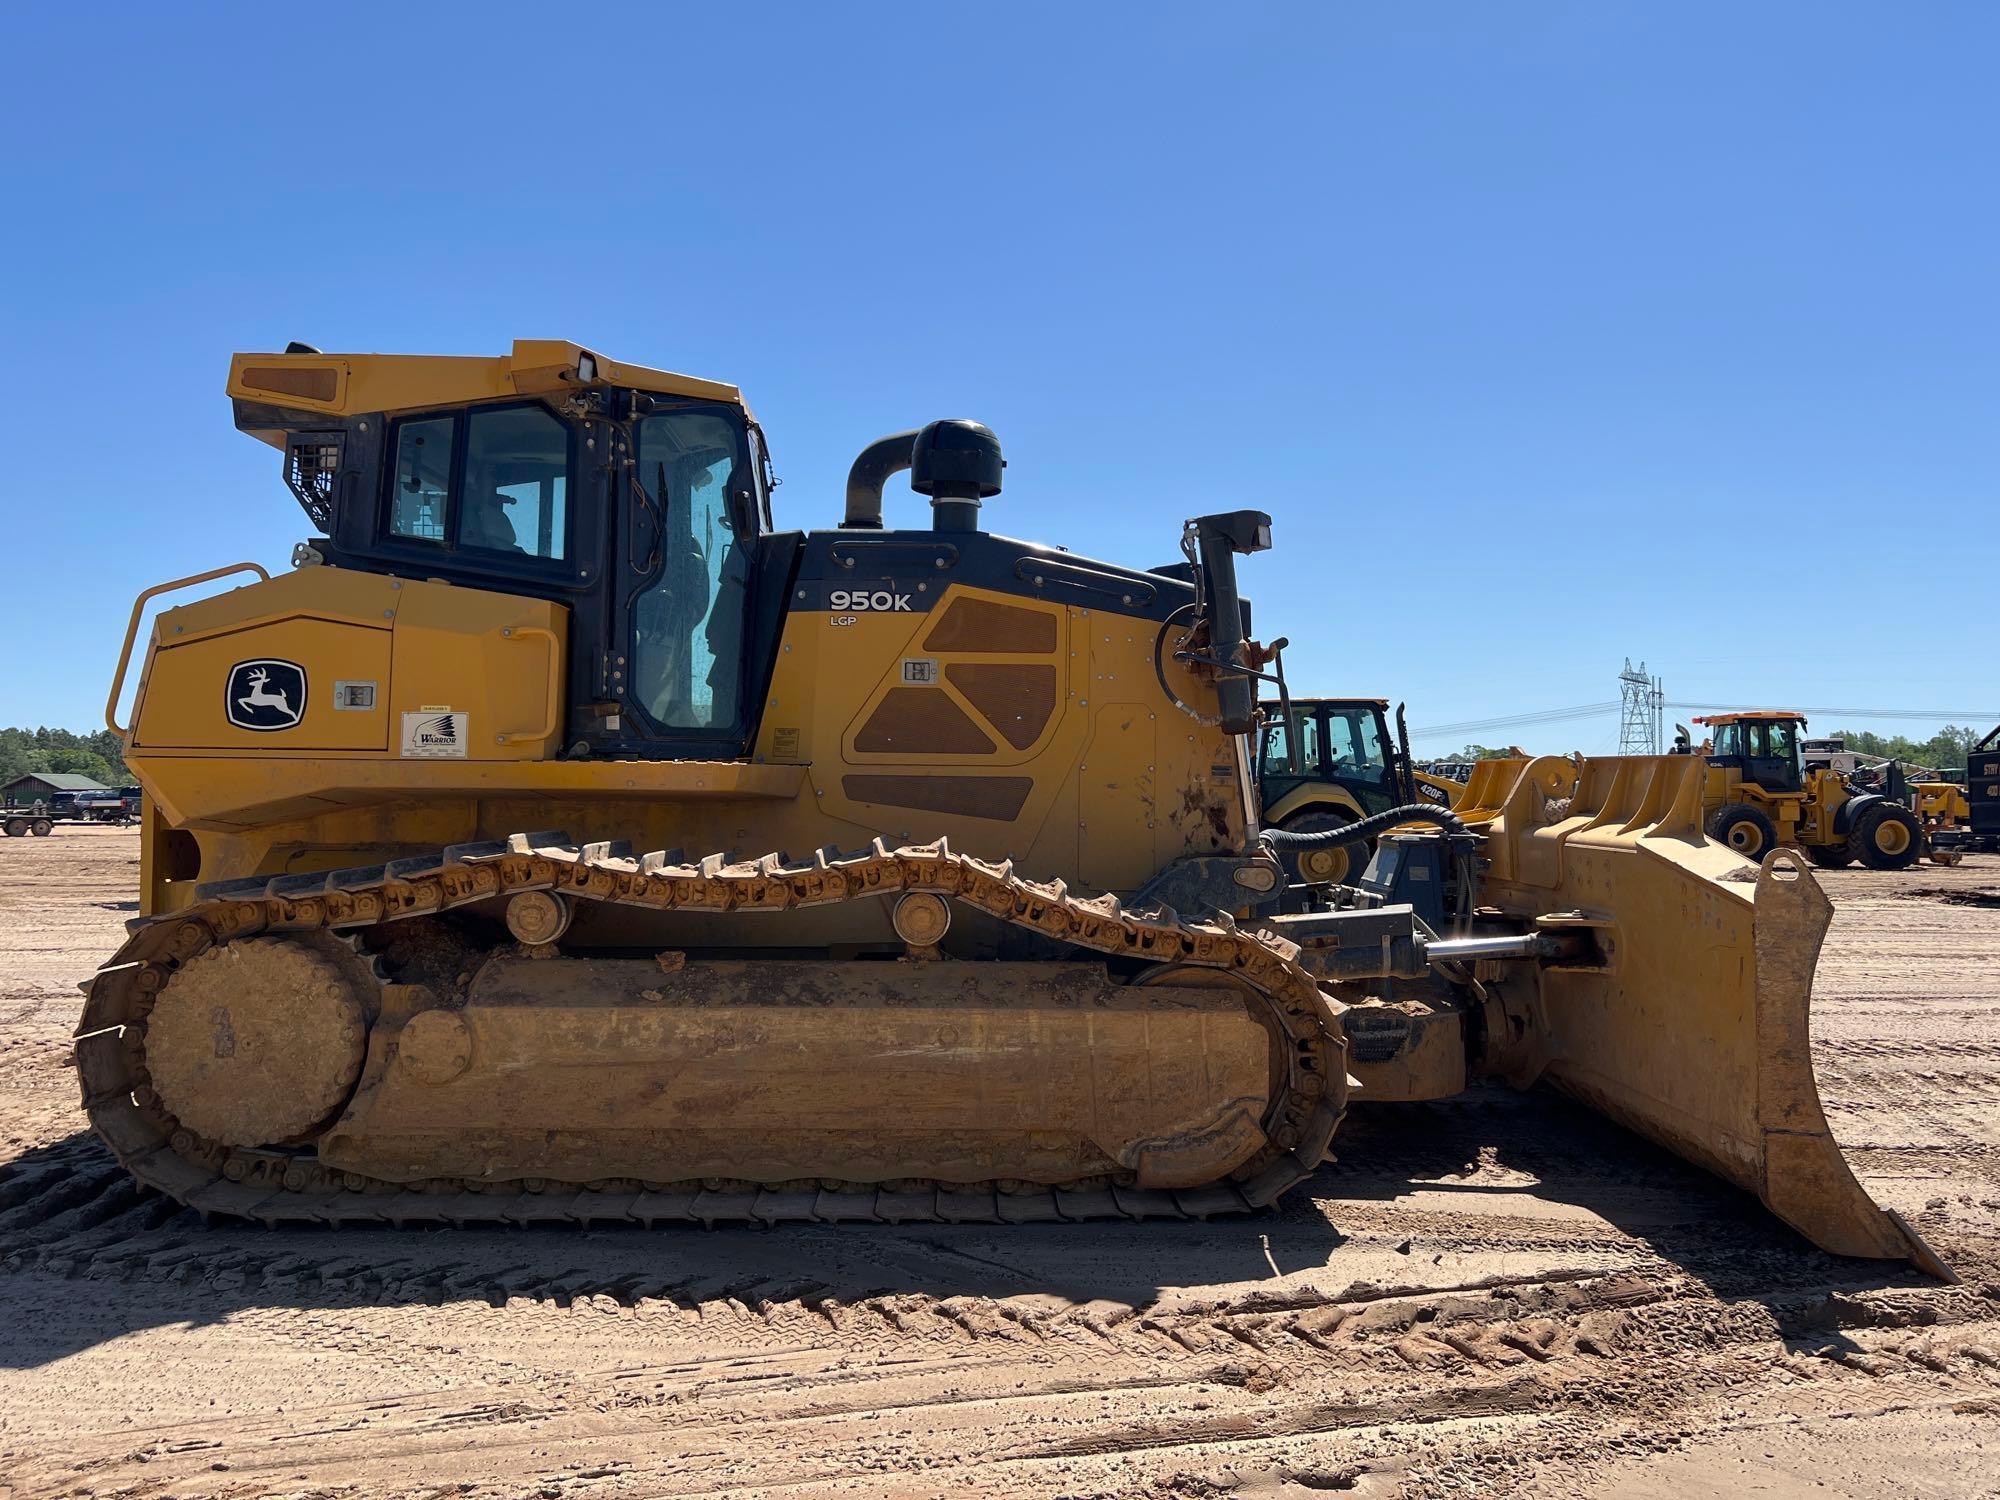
x=259 y=1042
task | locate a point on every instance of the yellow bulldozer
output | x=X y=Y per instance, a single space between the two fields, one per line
x=902 y=874
x=1759 y=795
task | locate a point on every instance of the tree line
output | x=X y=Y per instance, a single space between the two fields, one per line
x=100 y=756
x=1947 y=750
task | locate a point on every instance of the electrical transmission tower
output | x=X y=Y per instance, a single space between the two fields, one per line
x=1641 y=707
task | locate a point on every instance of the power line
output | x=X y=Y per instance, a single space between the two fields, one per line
x=1979 y=714
x=1508 y=721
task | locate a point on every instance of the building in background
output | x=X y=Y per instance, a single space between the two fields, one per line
x=42 y=786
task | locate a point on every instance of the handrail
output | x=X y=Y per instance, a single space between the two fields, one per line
x=554 y=711
x=132 y=631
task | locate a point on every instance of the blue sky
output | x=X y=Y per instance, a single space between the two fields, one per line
x=1549 y=333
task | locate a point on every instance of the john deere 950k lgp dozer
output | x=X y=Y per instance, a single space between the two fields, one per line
x=905 y=873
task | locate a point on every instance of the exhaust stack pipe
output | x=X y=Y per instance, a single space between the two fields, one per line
x=955 y=462
x=872 y=468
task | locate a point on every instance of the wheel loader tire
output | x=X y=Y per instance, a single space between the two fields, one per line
x=1887 y=837
x=1745 y=829
x=16 y=827
x=43 y=828
x=1320 y=866
x=1830 y=856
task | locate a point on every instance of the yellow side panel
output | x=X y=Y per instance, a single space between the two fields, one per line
x=496 y=658
x=493 y=661
x=1017 y=728
x=1116 y=813
x=187 y=688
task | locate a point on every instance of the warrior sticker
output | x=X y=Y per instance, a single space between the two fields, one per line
x=434 y=734
x=266 y=695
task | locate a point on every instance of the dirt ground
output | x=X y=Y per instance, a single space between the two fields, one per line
x=1499 y=1295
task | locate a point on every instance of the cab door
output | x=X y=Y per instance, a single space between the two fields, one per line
x=685 y=554
x=1774 y=756
x=1288 y=754
x=1354 y=746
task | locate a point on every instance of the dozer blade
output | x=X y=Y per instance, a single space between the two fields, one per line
x=1688 y=1022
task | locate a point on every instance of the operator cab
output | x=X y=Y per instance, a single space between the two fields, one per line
x=638 y=498
x=1343 y=739
x=1763 y=746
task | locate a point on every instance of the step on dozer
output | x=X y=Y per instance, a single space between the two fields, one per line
x=903 y=874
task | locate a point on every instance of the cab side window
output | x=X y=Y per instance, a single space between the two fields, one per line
x=515 y=495
x=494 y=480
x=1277 y=749
x=421 y=484
x=1292 y=749
x=1310 y=739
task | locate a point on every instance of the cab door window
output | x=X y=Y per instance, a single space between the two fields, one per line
x=687 y=622
x=1354 y=745
x=1277 y=754
x=1292 y=749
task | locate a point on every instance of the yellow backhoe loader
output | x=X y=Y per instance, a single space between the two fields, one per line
x=1326 y=762
x=906 y=874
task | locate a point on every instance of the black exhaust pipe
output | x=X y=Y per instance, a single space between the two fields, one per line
x=880 y=459
x=955 y=462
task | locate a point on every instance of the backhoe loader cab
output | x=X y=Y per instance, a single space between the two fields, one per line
x=1334 y=761
x=902 y=874
x=1760 y=794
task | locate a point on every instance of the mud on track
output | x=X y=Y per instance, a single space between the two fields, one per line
x=1496 y=1295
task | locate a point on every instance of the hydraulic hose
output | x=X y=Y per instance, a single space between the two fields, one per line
x=1464 y=865
x=1364 y=830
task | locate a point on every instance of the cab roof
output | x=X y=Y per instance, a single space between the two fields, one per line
x=1737 y=715
x=350 y=384
x=1300 y=700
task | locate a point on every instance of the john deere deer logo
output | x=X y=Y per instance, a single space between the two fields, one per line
x=266 y=695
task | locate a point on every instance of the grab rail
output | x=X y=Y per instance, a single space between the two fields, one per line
x=554 y=711
x=132 y=631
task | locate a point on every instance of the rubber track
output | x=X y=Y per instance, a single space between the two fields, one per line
x=212 y=1180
